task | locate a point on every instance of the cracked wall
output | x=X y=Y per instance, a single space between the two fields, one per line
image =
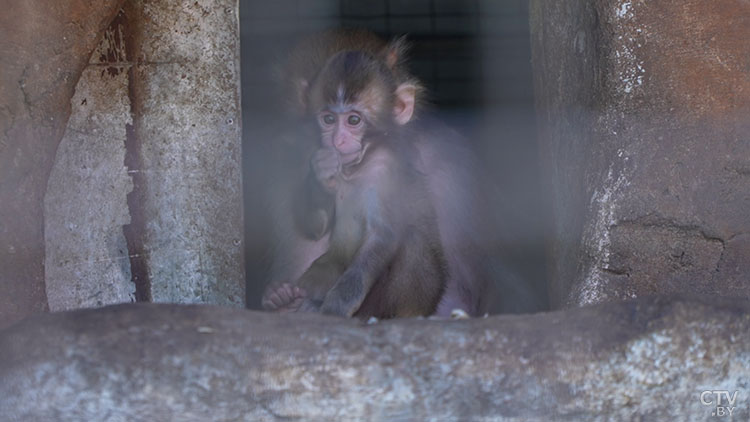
x=86 y=256
x=144 y=202
x=645 y=129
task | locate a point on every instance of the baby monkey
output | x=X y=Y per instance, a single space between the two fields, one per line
x=384 y=257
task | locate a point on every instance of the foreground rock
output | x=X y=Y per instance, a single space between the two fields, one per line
x=651 y=359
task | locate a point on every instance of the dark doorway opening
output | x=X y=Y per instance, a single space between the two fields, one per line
x=474 y=58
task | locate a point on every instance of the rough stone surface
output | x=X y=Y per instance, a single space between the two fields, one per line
x=645 y=132
x=648 y=359
x=44 y=47
x=154 y=142
x=86 y=260
x=187 y=203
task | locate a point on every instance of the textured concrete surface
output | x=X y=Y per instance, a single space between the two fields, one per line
x=144 y=202
x=645 y=131
x=187 y=201
x=649 y=359
x=86 y=260
x=44 y=47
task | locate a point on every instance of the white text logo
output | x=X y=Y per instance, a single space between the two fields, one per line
x=722 y=400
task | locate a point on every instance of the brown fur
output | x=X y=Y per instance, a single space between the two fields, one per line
x=311 y=54
x=440 y=160
x=384 y=258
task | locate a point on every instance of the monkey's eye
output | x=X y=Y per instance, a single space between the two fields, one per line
x=328 y=119
x=354 y=120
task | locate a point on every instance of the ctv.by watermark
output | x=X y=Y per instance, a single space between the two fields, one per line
x=722 y=402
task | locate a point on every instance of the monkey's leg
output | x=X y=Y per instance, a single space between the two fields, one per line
x=352 y=287
x=465 y=284
x=318 y=280
x=417 y=276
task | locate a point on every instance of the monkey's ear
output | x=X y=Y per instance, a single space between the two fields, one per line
x=403 y=110
x=395 y=51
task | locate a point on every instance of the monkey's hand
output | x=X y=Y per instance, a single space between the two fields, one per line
x=325 y=165
x=284 y=298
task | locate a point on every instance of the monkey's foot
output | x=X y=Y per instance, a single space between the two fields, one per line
x=309 y=305
x=285 y=298
x=459 y=314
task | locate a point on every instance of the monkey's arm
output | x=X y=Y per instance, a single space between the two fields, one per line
x=379 y=246
x=313 y=208
x=318 y=279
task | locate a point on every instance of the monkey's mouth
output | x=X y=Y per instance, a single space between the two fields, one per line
x=348 y=158
x=352 y=158
x=349 y=161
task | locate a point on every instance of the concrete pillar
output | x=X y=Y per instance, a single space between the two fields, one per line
x=644 y=116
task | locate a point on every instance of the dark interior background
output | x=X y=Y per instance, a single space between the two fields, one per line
x=474 y=58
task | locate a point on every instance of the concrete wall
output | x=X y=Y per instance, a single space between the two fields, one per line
x=86 y=255
x=644 y=112
x=145 y=201
x=44 y=48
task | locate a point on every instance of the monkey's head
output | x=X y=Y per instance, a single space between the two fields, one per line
x=311 y=53
x=356 y=95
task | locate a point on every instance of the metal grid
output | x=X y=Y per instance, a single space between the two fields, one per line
x=452 y=39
